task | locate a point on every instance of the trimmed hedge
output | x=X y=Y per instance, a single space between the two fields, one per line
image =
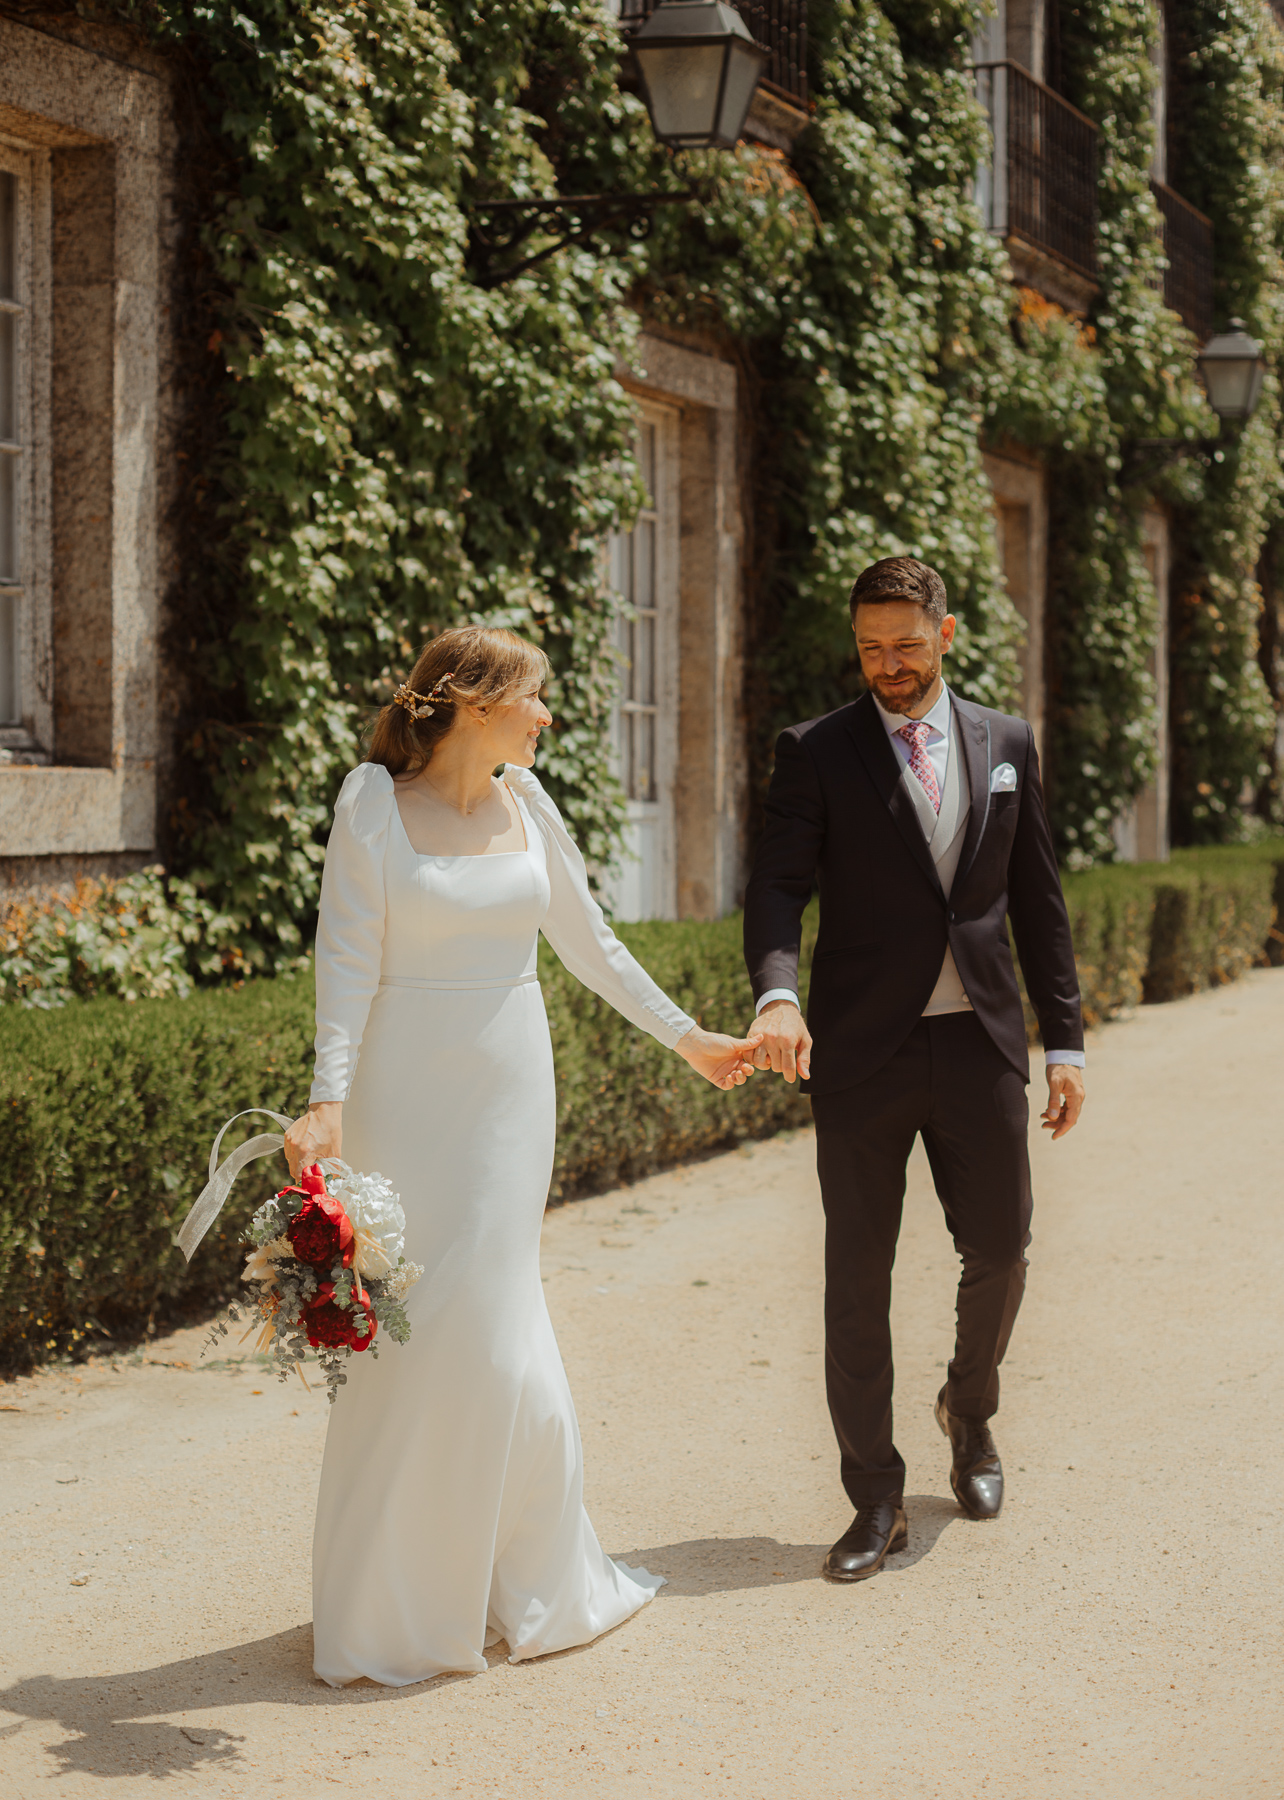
x=107 y=1110
x=1149 y=932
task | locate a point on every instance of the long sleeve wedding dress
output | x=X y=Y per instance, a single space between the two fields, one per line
x=450 y=1513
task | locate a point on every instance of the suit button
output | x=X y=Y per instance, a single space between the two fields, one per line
x=951 y=918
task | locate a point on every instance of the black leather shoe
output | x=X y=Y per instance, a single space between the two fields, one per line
x=977 y=1474
x=876 y=1533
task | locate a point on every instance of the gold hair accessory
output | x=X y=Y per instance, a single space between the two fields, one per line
x=420 y=706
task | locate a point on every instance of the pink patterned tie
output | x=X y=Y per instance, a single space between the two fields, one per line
x=915 y=735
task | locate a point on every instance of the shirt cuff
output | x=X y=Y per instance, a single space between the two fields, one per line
x=1075 y=1058
x=776 y=994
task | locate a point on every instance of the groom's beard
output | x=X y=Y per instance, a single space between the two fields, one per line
x=905 y=699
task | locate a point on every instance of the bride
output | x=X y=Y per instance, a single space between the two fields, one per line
x=450 y=1513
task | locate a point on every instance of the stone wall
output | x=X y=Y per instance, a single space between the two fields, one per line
x=87 y=112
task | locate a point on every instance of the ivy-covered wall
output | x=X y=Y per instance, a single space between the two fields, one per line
x=384 y=446
x=399 y=450
x=1229 y=64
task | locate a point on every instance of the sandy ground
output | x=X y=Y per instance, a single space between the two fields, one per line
x=1117 y=1633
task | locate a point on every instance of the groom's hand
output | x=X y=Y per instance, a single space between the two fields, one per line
x=1066 y=1096
x=786 y=1041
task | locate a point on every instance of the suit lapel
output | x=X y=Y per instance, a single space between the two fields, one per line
x=973 y=733
x=884 y=769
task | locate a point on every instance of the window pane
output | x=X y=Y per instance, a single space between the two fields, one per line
x=623 y=648
x=618 y=553
x=625 y=584
x=8 y=658
x=644 y=563
x=8 y=517
x=627 y=773
x=644 y=770
x=644 y=659
x=646 y=461
x=8 y=377
x=624 y=637
x=8 y=236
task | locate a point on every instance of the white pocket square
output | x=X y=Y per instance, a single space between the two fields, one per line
x=1003 y=779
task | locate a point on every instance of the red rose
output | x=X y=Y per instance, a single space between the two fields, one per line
x=320 y=1233
x=330 y=1325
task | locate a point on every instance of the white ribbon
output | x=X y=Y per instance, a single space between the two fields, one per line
x=209 y=1203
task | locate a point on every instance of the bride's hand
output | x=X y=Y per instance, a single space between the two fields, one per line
x=318 y=1133
x=725 y=1061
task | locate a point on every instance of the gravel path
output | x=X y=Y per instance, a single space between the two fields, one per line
x=1116 y=1634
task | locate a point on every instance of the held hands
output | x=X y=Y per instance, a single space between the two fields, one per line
x=318 y=1133
x=786 y=1047
x=785 y=1044
x=1066 y=1096
x=725 y=1061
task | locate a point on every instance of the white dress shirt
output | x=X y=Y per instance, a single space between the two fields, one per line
x=937 y=749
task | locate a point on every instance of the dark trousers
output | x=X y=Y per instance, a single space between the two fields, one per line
x=949 y=1082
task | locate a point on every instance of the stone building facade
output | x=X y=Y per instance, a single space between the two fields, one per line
x=85 y=162
x=1036 y=194
x=90 y=378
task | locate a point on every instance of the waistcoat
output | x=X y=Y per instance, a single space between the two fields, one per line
x=945 y=832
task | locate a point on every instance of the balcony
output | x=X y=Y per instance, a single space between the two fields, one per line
x=1187 y=237
x=779 y=25
x=1040 y=192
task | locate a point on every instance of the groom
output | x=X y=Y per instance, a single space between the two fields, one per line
x=920 y=818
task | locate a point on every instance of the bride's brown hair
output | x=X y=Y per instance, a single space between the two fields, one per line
x=473 y=665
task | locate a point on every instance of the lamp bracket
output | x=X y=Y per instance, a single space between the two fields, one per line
x=1144 y=458
x=498 y=229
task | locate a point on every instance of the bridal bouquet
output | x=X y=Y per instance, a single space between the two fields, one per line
x=327 y=1271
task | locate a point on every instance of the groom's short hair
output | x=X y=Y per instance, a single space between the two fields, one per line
x=901 y=578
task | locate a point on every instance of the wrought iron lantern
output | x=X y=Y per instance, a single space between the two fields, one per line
x=699 y=66
x=1232 y=369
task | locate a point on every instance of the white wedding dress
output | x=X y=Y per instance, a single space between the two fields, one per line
x=450 y=1513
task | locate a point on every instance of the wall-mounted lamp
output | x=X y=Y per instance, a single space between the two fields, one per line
x=700 y=67
x=1232 y=369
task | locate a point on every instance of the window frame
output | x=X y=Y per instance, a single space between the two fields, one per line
x=28 y=736
x=653 y=819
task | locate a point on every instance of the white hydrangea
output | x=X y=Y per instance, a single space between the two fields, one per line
x=377 y=1219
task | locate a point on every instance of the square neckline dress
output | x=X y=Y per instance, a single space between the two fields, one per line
x=450 y=1512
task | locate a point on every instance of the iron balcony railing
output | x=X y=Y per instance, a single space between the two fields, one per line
x=1188 y=244
x=1042 y=185
x=778 y=25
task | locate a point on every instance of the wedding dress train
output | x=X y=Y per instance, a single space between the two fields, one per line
x=450 y=1511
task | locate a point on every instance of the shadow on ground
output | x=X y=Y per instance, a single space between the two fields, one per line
x=726 y=1565
x=109 y=1719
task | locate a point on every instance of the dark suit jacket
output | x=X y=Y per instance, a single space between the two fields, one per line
x=838 y=817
